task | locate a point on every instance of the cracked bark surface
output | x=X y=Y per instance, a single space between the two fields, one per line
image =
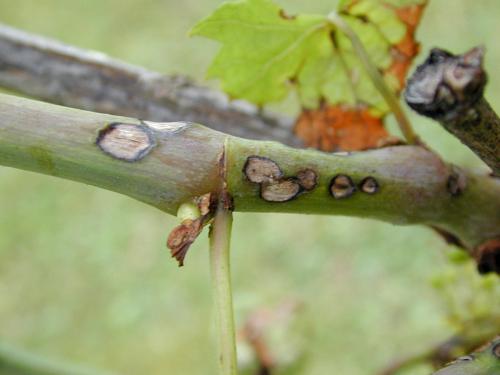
x=449 y=88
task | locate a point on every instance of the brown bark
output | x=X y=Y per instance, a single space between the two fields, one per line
x=449 y=89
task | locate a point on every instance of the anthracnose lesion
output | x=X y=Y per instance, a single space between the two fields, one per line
x=127 y=142
x=274 y=185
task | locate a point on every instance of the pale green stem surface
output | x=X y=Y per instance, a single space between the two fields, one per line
x=183 y=164
x=220 y=238
x=376 y=77
x=412 y=187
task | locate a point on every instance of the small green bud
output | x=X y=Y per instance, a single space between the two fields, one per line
x=188 y=211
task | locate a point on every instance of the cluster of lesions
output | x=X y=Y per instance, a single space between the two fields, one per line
x=342 y=186
x=276 y=187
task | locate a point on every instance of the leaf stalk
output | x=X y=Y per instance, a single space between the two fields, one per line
x=377 y=79
x=220 y=236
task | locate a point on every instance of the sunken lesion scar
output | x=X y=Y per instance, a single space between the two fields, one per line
x=276 y=187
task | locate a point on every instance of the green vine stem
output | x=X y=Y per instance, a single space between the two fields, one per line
x=167 y=164
x=376 y=77
x=220 y=238
x=20 y=362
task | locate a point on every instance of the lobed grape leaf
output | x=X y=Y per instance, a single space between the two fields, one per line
x=266 y=53
x=262 y=48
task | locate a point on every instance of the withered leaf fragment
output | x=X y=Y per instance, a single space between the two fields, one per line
x=183 y=235
x=181 y=238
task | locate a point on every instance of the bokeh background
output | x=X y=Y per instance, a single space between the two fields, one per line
x=85 y=275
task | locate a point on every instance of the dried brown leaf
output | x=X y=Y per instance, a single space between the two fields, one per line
x=340 y=128
x=405 y=51
x=182 y=236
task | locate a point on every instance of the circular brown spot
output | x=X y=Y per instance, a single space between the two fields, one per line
x=342 y=186
x=369 y=185
x=307 y=179
x=282 y=191
x=128 y=142
x=259 y=169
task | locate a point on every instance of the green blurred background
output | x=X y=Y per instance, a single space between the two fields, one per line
x=85 y=274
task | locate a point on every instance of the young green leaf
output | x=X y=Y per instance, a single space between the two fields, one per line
x=262 y=49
